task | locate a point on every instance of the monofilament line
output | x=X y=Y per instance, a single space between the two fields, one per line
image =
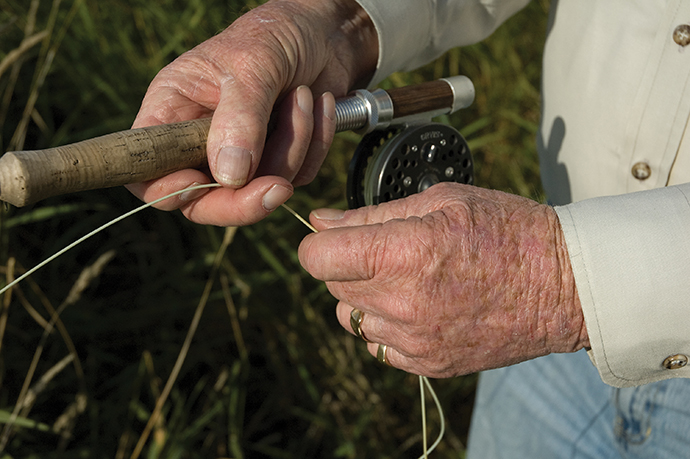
x=299 y=217
x=98 y=230
x=423 y=380
x=442 y=421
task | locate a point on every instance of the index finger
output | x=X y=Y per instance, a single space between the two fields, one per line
x=416 y=205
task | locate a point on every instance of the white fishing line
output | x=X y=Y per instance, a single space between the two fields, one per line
x=422 y=397
x=442 y=430
x=299 y=217
x=98 y=230
x=423 y=380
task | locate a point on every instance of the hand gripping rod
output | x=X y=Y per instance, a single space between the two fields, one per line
x=138 y=155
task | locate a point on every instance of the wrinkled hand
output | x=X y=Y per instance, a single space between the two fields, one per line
x=454 y=280
x=287 y=56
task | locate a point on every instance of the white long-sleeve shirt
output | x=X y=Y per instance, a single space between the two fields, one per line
x=614 y=156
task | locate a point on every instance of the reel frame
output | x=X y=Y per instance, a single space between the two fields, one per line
x=396 y=162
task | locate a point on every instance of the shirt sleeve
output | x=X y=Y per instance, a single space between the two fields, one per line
x=629 y=256
x=414 y=32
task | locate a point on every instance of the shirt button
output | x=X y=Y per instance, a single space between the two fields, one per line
x=673 y=362
x=641 y=170
x=681 y=35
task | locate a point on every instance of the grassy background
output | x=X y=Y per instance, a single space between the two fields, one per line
x=269 y=372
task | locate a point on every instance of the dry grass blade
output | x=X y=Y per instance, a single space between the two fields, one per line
x=51 y=44
x=17 y=142
x=237 y=408
x=234 y=317
x=45 y=324
x=64 y=425
x=31 y=17
x=85 y=278
x=26 y=401
x=26 y=44
x=7 y=299
x=28 y=307
x=16 y=61
x=40 y=385
x=153 y=420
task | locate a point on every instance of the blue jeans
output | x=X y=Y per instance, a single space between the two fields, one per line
x=557 y=407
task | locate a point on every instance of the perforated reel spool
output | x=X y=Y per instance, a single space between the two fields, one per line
x=395 y=163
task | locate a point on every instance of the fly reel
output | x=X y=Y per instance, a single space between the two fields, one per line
x=394 y=163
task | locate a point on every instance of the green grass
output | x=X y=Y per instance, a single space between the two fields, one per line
x=269 y=372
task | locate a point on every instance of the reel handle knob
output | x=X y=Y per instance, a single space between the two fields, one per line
x=433 y=98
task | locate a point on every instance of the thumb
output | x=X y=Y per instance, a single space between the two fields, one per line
x=238 y=132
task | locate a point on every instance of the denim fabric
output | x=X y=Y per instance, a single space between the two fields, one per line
x=557 y=407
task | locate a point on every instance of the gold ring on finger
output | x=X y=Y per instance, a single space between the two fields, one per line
x=381 y=354
x=356 y=319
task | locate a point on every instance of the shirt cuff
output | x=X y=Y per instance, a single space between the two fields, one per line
x=401 y=33
x=630 y=256
x=414 y=32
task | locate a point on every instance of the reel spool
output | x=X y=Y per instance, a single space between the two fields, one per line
x=397 y=162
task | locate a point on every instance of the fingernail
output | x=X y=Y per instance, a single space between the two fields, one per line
x=328 y=214
x=193 y=194
x=233 y=166
x=329 y=105
x=305 y=100
x=276 y=196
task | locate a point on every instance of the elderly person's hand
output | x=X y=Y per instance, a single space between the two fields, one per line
x=453 y=280
x=290 y=57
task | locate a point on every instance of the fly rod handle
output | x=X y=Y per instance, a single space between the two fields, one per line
x=138 y=155
x=131 y=156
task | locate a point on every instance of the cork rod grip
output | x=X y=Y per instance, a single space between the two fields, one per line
x=114 y=159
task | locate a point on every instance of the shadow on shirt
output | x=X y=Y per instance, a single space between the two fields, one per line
x=554 y=174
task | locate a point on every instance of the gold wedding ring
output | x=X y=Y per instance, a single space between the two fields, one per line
x=356 y=318
x=381 y=354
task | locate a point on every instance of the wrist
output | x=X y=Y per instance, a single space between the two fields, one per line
x=567 y=330
x=358 y=31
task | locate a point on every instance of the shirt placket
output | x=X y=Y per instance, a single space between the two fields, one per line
x=662 y=106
